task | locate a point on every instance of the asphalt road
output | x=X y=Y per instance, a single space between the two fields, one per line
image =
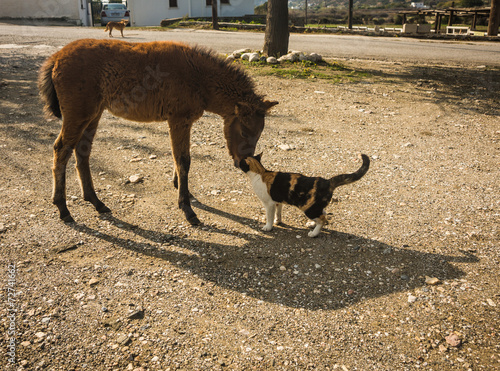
x=329 y=46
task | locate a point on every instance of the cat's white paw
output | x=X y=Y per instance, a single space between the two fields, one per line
x=267 y=228
x=311 y=224
x=313 y=233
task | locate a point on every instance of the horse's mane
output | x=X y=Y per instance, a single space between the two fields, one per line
x=230 y=78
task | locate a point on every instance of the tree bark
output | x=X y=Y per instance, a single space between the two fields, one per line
x=277 y=34
x=215 y=19
x=494 y=21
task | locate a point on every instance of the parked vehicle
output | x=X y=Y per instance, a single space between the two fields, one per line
x=114 y=12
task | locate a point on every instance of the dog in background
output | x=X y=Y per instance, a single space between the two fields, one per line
x=118 y=25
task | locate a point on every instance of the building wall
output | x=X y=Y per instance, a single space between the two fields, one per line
x=152 y=12
x=42 y=9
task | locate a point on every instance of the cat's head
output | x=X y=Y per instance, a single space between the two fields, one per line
x=251 y=163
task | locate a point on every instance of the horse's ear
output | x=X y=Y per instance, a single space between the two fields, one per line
x=269 y=104
x=242 y=109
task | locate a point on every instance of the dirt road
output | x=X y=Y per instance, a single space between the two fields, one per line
x=405 y=49
x=140 y=289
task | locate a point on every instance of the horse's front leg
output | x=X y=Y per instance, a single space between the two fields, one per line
x=180 y=139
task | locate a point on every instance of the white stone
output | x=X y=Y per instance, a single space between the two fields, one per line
x=254 y=57
x=271 y=60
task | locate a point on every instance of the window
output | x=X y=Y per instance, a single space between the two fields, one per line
x=172 y=3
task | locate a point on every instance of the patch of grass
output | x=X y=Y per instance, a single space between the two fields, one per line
x=334 y=72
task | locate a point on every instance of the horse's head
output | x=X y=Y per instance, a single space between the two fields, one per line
x=242 y=130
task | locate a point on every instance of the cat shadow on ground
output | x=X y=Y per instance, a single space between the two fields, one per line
x=331 y=272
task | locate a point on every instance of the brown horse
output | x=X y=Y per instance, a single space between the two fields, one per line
x=144 y=82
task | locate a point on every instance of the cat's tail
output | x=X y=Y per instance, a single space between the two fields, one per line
x=342 y=179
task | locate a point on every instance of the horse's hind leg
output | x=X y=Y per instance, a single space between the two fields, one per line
x=82 y=154
x=62 y=153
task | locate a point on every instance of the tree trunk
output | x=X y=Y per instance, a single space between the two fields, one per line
x=494 y=18
x=276 y=38
x=215 y=19
x=349 y=15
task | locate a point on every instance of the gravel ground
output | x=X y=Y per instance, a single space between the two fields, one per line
x=406 y=275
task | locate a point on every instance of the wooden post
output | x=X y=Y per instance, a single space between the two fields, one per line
x=305 y=22
x=404 y=18
x=436 y=23
x=215 y=20
x=450 y=19
x=494 y=21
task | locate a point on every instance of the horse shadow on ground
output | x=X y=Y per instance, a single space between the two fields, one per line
x=335 y=271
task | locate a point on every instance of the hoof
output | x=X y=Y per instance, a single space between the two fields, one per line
x=193 y=220
x=103 y=209
x=67 y=219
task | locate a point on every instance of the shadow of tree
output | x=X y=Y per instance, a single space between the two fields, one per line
x=341 y=270
x=474 y=89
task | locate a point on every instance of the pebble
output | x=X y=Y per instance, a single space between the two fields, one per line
x=135 y=179
x=93 y=281
x=123 y=340
x=155 y=359
x=285 y=147
x=254 y=57
x=271 y=60
x=282 y=268
x=411 y=298
x=431 y=280
x=491 y=303
x=453 y=340
x=45 y=320
x=153 y=157
x=40 y=335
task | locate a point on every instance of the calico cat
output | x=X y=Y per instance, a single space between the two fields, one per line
x=309 y=194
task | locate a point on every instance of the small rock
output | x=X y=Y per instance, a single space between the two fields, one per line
x=45 y=320
x=79 y=296
x=432 y=280
x=155 y=359
x=254 y=57
x=40 y=335
x=93 y=281
x=123 y=340
x=285 y=147
x=230 y=58
x=153 y=157
x=26 y=343
x=411 y=298
x=443 y=348
x=491 y=303
x=2 y=228
x=135 y=179
x=453 y=340
x=282 y=268
x=137 y=159
x=245 y=56
x=137 y=314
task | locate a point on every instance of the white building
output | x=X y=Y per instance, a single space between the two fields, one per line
x=142 y=12
x=152 y=12
x=75 y=11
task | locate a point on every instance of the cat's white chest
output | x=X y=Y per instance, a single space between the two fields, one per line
x=259 y=187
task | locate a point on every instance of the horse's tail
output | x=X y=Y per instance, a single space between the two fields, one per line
x=349 y=178
x=47 y=90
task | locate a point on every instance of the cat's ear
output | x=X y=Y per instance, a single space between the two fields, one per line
x=244 y=165
x=269 y=104
x=258 y=157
